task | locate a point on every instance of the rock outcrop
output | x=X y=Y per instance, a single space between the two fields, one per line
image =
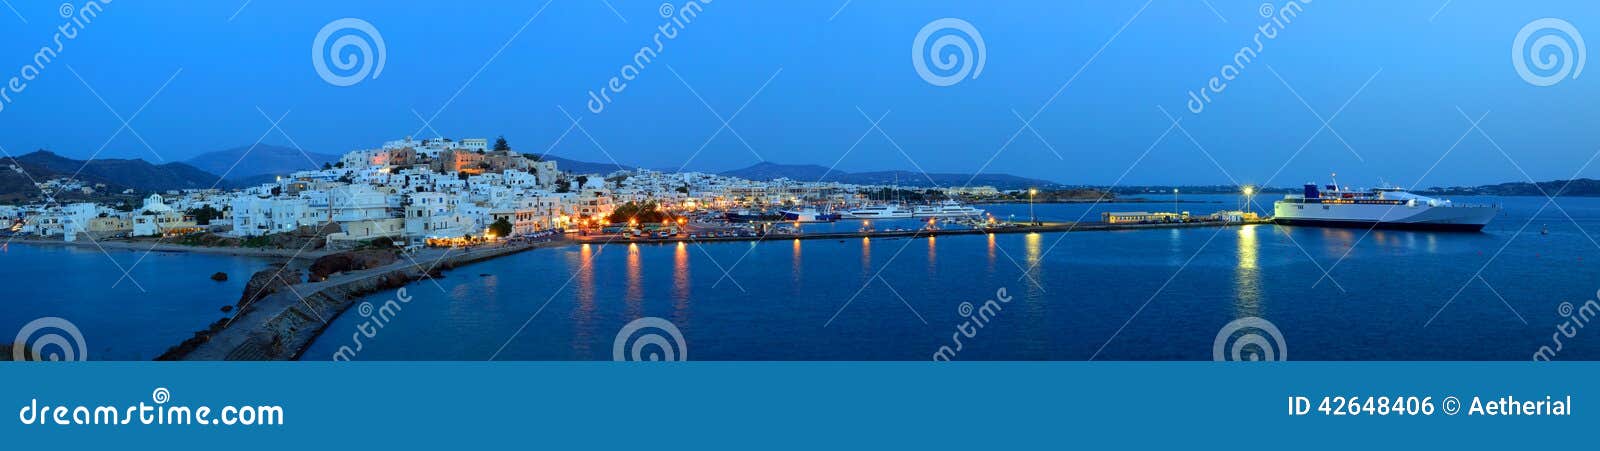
x=350 y=261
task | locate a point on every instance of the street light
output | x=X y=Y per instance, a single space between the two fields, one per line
x=1032 y=217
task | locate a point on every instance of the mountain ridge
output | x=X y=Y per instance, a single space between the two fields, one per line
x=259 y=160
x=134 y=173
x=764 y=171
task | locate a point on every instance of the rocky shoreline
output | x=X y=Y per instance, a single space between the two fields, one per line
x=168 y=247
x=279 y=316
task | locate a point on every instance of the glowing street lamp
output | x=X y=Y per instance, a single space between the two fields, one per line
x=1248 y=192
x=1032 y=217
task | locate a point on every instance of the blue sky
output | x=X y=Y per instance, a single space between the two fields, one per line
x=837 y=61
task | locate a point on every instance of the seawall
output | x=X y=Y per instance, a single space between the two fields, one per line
x=282 y=324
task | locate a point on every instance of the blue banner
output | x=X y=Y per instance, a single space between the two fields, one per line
x=797 y=405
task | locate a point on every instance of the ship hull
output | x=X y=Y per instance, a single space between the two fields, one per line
x=964 y=214
x=1405 y=217
x=1443 y=227
x=789 y=216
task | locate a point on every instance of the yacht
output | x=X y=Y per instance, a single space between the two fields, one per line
x=946 y=209
x=884 y=211
x=809 y=215
x=1382 y=207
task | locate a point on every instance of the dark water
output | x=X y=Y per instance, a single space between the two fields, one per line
x=169 y=297
x=1106 y=295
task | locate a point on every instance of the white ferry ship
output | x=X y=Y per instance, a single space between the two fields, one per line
x=1382 y=207
x=946 y=209
x=884 y=211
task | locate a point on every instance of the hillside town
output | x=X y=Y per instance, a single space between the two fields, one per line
x=427 y=192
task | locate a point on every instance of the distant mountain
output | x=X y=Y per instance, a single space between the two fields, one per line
x=771 y=171
x=809 y=172
x=585 y=167
x=115 y=173
x=1574 y=188
x=264 y=159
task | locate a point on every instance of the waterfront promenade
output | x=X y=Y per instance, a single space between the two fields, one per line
x=1043 y=227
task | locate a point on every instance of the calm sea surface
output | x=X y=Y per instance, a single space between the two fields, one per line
x=168 y=298
x=1125 y=295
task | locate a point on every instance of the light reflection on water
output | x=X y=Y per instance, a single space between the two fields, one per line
x=635 y=294
x=1247 y=285
x=1093 y=282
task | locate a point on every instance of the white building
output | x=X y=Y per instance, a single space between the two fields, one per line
x=156 y=218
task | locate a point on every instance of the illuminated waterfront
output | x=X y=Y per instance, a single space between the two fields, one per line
x=879 y=298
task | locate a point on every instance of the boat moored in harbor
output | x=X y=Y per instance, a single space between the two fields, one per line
x=809 y=215
x=946 y=209
x=1381 y=207
x=884 y=211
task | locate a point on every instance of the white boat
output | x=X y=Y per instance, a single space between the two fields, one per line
x=1382 y=207
x=809 y=215
x=884 y=211
x=946 y=209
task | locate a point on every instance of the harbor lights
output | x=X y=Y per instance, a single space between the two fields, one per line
x=1032 y=217
x=1249 y=191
